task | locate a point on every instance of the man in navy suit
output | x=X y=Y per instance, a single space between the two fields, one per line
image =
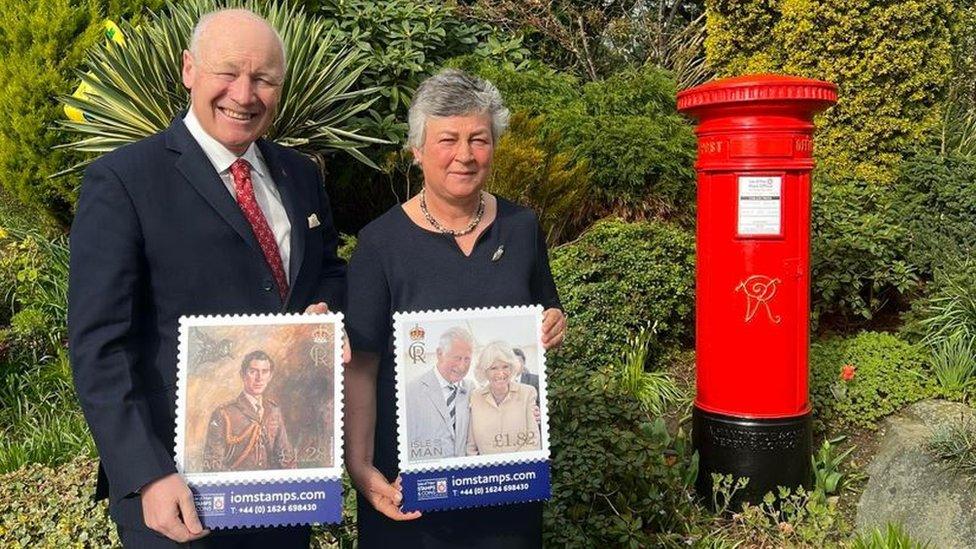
x=203 y=218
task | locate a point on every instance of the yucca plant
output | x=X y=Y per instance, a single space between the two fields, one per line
x=138 y=90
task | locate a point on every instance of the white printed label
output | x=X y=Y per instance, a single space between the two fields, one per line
x=760 y=206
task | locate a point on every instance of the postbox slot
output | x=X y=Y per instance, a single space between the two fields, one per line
x=760 y=148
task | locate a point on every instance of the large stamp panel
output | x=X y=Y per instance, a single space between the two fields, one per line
x=472 y=407
x=259 y=417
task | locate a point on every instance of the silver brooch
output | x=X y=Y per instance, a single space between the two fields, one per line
x=498 y=253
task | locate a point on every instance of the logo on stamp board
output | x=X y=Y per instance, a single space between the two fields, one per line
x=416 y=350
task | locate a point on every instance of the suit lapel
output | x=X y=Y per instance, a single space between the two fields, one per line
x=199 y=172
x=436 y=395
x=290 y=199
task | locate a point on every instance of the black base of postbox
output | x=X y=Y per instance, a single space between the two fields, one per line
x=770 y=452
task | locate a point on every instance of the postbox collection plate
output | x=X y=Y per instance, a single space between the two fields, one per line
x=760 y=206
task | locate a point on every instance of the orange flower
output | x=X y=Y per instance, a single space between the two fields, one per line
x=847 y=372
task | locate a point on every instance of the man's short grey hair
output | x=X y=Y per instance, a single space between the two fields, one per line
x=454 y=334
x=208 y=17
x=452 y=92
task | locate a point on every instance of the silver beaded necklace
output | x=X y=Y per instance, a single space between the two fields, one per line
x=460 y=232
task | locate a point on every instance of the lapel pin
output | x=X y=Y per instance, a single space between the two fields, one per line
x=313 y=221
x=498 y=253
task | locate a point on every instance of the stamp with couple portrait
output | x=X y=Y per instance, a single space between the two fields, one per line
x=471 y=393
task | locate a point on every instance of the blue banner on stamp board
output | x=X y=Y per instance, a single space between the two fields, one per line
x=476 y=486
x=269 y=504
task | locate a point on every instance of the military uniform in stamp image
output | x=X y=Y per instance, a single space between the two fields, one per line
x=259 y=398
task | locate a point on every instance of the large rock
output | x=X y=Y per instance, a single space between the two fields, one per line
x=909 y=486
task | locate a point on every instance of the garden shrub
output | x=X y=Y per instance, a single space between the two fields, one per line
x=618 y=277
x=618 y=480
x=42 y=43
x=949 y=306
x=640 y=152
x=934 y=199
x=45 y=507
x=891 y=61
x=888 y=374
x=857 y=250
x=34 y=290
x=529 y=169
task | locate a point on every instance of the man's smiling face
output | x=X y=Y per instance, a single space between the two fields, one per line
x=235 y=77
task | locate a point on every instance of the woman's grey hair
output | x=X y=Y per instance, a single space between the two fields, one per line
x=206 y=19
x=452 y=92
x=494 y=352
x=454 y=334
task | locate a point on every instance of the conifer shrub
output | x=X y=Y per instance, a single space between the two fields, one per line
x=42 y=44
x=891 y=61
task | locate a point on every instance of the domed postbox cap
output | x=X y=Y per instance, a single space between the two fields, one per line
x=815 y=95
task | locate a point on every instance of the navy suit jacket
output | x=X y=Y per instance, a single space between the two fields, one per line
x=156 y=235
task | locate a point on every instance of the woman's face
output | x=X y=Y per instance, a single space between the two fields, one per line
x=498 y=374
x=456 y=155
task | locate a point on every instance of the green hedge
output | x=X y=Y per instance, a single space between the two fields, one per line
x=889 y=373
x=858 y=250
x=639 y=151
x=891 y=60
x=618 y=277
x=934 y=199
x=613 y=483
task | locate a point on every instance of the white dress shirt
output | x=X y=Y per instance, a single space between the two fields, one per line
x=446 y=386
x=265 y=190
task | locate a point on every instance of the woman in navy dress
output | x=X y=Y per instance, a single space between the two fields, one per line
x=451 y=246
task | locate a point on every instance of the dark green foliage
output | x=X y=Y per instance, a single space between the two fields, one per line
x=617 y=479
x=640 y=152
x=535 y=88
x=41 y=43
x=858 y=251
x=404 y=41
x=935 y=201
x=949 y=304
x=618 y=277
x=889 y=373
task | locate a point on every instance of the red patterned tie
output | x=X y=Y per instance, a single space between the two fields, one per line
x=244 y=189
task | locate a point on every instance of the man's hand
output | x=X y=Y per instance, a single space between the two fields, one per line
x=382 y=495
x=167 y=507
x=537 y=414
x=321 y=308
x=553 y=328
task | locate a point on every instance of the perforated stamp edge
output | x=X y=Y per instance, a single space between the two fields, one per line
x=274 y=475
x=401 y=318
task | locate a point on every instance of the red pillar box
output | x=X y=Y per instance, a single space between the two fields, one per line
x=755 y=145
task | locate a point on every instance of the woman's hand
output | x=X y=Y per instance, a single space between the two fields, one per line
x=382 y=495
x=553 y=328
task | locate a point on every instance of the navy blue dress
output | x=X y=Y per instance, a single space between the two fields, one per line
x=399 y=266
